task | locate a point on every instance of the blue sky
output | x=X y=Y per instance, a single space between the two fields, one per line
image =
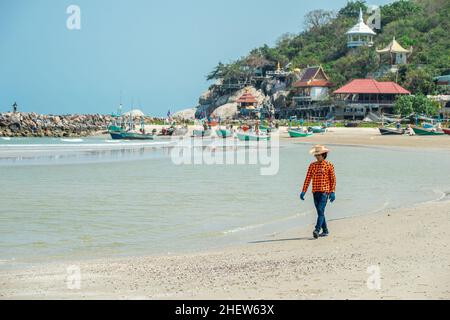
x=155 y=54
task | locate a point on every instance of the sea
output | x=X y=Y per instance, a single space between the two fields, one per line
x=87 y=198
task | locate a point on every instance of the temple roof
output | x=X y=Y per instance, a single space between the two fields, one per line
x=308 y=78
x=247 y=97
x=361 y=27
x=394 y=47
x=372 y=86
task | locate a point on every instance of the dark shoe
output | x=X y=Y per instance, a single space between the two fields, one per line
x=323 y=234
x=315 y=234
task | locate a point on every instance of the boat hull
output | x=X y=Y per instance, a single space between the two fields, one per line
x=130 y=136
x=252 y=137
x=446 y=131
x=390 y=131
x=318 y=129
x=223 y=133
x=201 y=133
x=298 y=134
x=425 y=132
x=267 y=129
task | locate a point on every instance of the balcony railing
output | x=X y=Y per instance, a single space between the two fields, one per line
x=359 y=43
x=384 y=102
x=301 y=98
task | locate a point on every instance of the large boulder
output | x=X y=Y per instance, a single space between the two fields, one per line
x=221 y=100
x=226 y=111
x=279 y=99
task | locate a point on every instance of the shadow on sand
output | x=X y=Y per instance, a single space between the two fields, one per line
x=288 y=239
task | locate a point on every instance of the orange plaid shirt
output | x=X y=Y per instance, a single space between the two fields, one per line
x=323 y=177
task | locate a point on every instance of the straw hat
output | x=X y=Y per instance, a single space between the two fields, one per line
x=318 y=149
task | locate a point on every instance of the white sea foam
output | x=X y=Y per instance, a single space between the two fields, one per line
x=72 y=140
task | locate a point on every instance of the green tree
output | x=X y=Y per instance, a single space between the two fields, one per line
x=404 y=105
x=424 y=105
x=351 y=10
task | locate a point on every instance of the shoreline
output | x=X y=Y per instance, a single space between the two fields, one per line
x=289 y=265
x=368 y=137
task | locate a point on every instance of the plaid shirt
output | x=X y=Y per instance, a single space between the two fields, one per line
x=322 y=175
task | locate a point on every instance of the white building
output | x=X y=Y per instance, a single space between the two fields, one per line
x=360 y=34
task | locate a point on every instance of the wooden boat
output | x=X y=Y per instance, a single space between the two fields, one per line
x=426 y=132
x=224 y=133
x=201 y=133
x=251 y=136
x=446 y=131
x=318 y=129
x=297 y=133
x=267 y=129
x=390 y=131
x=127 y=135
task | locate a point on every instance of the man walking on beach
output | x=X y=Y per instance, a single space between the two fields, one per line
x=324 y=184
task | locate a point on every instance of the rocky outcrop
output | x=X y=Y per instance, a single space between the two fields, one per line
x=186 y=114
x=21 y=124
x=225 y=106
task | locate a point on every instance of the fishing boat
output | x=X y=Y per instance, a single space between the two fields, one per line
x=267 y=128
x=390 y=131
x=224 y=133
x=446 y=131
x=252 y=136
x=318 y=129
x=201 y=133
x=129 y=135
x=427 y=132
x=114 y=128
x=297 y=133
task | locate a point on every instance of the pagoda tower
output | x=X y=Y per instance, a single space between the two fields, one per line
x=361 y=34
x=397 y=54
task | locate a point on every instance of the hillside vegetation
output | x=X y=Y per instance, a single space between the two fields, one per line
x=422 y=24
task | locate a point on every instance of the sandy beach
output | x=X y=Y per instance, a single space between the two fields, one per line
x=409 y=246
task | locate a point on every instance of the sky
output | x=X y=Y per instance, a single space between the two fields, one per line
x=146 y=54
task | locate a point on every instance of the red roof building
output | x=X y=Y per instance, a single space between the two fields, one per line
x=359 y=97
x=371 y=86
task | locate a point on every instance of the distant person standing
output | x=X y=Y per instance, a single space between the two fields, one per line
x=15 y=107
x=321 y=172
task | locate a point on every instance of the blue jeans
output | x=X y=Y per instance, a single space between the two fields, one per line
x=320 y=201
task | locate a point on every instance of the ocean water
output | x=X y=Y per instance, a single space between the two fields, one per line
x=92 y=198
